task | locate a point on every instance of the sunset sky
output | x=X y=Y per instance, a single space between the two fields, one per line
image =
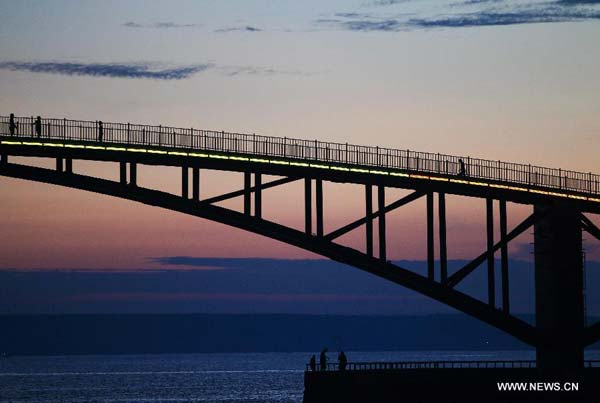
x=498 y=79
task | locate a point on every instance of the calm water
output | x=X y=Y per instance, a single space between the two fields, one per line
x=232 y=378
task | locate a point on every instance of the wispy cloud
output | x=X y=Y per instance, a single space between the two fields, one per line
x=152 y=71
x=116 y=70
x=490 y=13
x=257 y=70
x=159 y=25
x=388 y=2
x=247 y=28
x=478 y=19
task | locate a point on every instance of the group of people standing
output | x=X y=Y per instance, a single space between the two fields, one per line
x=13 y=127
x=342 y=361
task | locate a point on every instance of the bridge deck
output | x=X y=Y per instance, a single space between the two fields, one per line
x=495 y=176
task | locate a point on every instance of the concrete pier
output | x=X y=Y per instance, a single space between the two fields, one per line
x=559 y=283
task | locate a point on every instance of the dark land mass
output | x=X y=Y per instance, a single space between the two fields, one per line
x=216 y=333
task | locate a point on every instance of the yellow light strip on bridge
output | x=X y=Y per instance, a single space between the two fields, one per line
x=303 y=164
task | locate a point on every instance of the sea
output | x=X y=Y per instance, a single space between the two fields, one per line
x=231 y=378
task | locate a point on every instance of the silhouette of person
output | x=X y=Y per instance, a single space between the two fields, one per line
x=313 y=363
x=323 y=360
x=342 y=360
x=13 y=126
x=100 y=131
x=463 y=171
x=38 y=126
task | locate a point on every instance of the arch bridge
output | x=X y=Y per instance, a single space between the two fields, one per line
x=560 y=200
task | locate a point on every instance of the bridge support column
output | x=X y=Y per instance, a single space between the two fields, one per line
x=442 y=230
x=4 y=158
x=489 y=203
x=308 y=206
x=258 y=195
x=369 y=223
x=185 y=187
x=559 y=301
x=247 y=192
x=123 y=173
x=196 y=183
x=504 y=258
x=59 y=165
x=430 y=241
x=319 y=205
x=381 y=208
x=68 y=165
x=133 y=174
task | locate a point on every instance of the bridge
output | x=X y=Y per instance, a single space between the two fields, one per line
x=560 y=200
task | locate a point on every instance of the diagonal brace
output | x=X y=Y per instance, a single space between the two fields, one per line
x=353 y=225
x=591 y=334
x=590 y=227
x=460 y=274
x=241 y=192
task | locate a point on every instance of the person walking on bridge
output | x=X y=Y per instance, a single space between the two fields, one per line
x=13 y=127
x=313 y=363
x=463 y=171
x=342 y=360
x=38 y=126
x=100 y=131
x=323 y=360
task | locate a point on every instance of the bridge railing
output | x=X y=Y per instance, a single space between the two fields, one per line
x=386 y=366
x=527 y=176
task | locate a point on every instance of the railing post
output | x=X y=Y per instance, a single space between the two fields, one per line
x=128 y=133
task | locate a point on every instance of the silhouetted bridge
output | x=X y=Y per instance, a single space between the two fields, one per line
x=559 y=199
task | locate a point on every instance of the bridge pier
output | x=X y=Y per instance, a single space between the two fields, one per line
x=489 y=204
x=430 y=239
x=196 y=183
x=123 y=173
x=319 y=205
x=258 y=195
x=368 y=215
x=381 y=220
x=59 y=165
x=442 y=231
x=185 y=188
x=68 y=165
x=132 y=174
x=247 y=192
x=504 y=258
x=307 y=206
x=559 y=305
